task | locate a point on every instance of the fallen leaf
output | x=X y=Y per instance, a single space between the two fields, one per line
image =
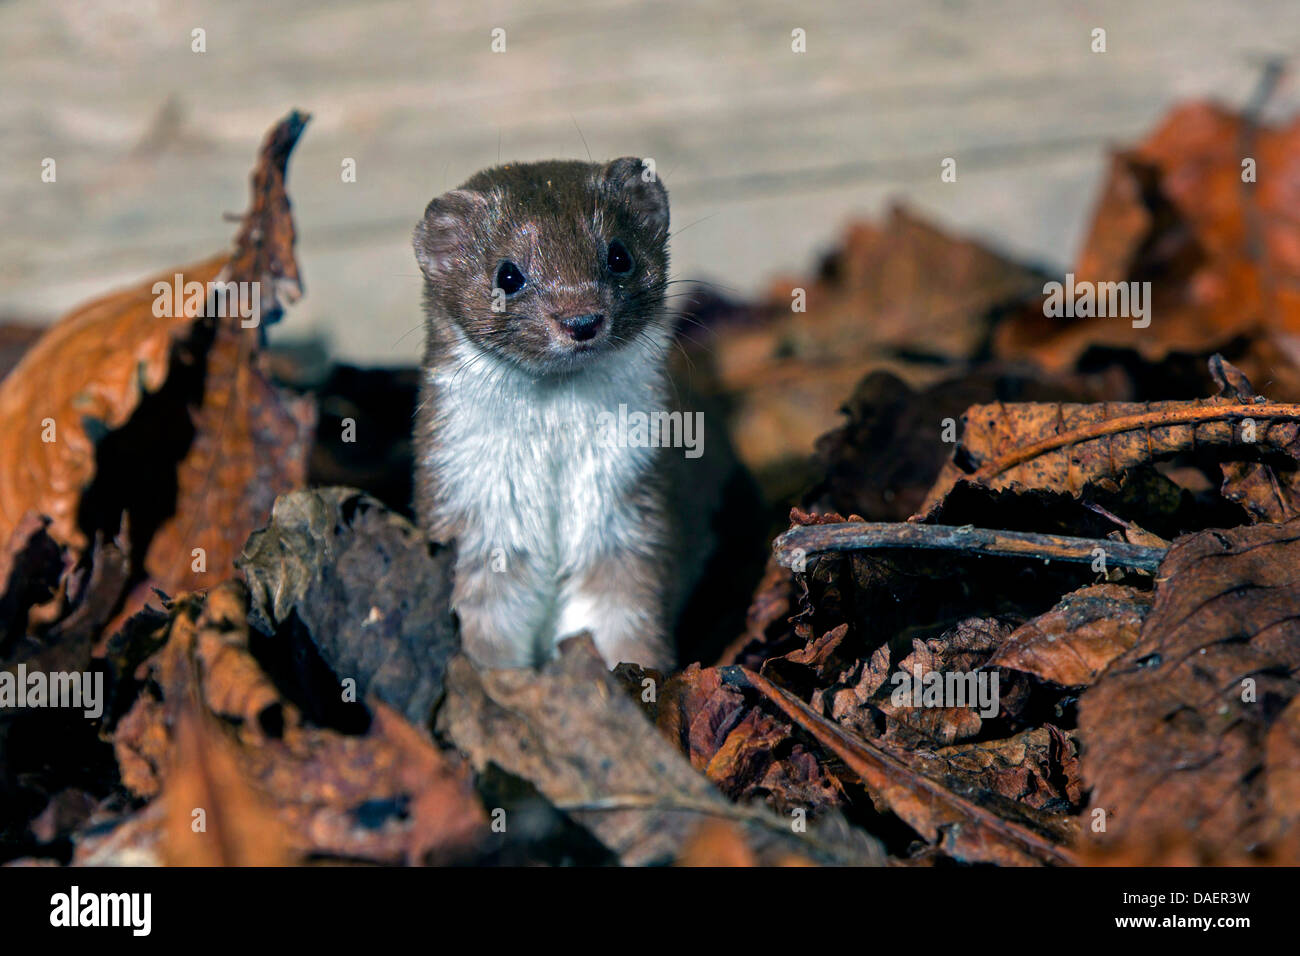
x=1075 y=641
x=584 y=743
x=363 y=587
x=163 y=416
x=1222 y=254
x=1176 y=732
x=1072 y=448
x=962 y=824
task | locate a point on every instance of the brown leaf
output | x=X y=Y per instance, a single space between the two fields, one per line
x=1038 y=768
x=962 y=649
x=717 y=843
x=163 y=416
x=697 y=712
x=1070 y=448
x=767 y=630
x=1076 y=640
x=387 y=796
x=900 y=287
x=884 y=458
x=1223 y=255
x=1282 y=782
x=88 y=372
x=214 y=818
x=251 y=444
x=573 y=733
x=965 y=826
x=1266 y=491
x=854 y=688
x=1176 y=733
x=813 y=664
x=360 y=585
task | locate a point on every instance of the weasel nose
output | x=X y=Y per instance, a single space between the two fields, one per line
x=580 y=328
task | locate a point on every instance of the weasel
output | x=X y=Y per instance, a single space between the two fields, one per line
x=544 y=299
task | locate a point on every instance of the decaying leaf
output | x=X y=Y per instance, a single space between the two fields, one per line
x=962 y=823
x=251 y=442
x=1038 y=768
x=1186 y=736
x=888 y=452
x=214 y=817
x=1219 y=249
x=963 y=649
x=364 y=584
x=149 y=402
x=1071 y=448
x=73 y=382
x=585 y=744
x=387 y=795
x=894 y=291
x=1076 y=640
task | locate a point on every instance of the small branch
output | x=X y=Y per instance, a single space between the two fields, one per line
x=866 y=535
x=1128 y=423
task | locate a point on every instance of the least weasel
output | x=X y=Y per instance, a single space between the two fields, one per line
x=544 y=296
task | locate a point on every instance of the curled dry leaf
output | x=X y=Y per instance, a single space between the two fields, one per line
x=1070 y=448
x=1267 y=490
x=85 y=376
x=1222 y=253
x=893 y=443
x=747 y=753
x=132 y=405
x=958 y=652
x=204 y=652
x=387 y=795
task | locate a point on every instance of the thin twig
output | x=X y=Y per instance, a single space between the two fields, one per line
x=867 y=535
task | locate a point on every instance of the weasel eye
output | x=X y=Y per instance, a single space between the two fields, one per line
x=618 y=260
x=510 y=279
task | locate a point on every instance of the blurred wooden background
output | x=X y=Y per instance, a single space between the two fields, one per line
x=766 y=153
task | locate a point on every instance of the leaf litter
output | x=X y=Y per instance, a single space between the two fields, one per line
x=1099 y=523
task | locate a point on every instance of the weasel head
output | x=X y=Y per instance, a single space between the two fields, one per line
x=550 y=266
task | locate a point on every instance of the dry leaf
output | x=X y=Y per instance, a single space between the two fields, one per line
x=1177 y=734
x=1076 y=640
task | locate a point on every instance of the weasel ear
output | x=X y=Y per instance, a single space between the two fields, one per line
x=444 y=235
x=636 y=182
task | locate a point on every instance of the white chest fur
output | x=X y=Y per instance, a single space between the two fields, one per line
x=525 y=466
x=539 y=494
